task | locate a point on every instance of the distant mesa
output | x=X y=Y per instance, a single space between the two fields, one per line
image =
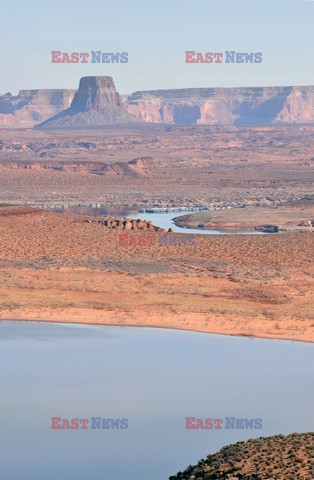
x=95 y=93
x=224 y=106
x=31 y=107
x=95 y=103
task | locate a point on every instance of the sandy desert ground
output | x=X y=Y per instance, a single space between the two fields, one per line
x=177 y=166
x=63 y=268
x=57 y=267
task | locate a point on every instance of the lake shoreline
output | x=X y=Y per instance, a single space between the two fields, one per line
x=156 y=326
x=246 y=285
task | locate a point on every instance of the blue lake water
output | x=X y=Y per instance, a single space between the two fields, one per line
x=153 y=377
x=164 y=220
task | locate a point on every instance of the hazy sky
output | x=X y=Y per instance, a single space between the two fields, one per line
x=156 y=33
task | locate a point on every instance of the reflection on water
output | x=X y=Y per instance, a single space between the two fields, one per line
x=153 y=377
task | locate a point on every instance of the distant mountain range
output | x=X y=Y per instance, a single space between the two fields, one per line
x=97 y=103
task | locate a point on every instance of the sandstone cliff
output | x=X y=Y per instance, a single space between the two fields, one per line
x=31 y=107
x=96 y=103
x=224 y=106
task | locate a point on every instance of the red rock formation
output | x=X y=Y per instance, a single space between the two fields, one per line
x=129 y=224
x=224 y=106
x=96 y=103
x=31 y=107
x=95 y=93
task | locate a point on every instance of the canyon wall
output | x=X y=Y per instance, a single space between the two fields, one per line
x=31 y=107
x=98 y=103
x=224 y=106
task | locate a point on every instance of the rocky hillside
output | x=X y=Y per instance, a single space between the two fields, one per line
x=224 y=106
x=96 y=103
x=128 y=224
x=31 y=107
x=271 y=458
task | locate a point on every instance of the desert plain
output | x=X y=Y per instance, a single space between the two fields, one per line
x=71 y=268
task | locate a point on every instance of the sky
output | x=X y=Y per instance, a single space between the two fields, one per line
x=156 y=34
